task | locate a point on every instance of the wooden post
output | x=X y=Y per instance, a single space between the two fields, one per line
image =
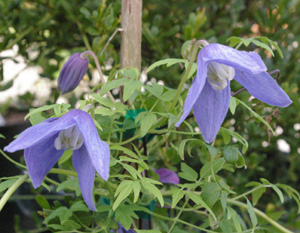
x=132 y=33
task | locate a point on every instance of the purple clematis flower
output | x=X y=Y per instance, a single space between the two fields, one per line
x=45 y=143
x=167 y=176
x=72 y=73
x=209 y=95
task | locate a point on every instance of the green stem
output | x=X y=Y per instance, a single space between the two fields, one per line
x=261 y=214
x=251 y=191
x=11 y=190
x=12 y=161
x=178 y=215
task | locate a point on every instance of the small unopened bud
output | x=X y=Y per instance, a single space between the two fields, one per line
x=72 y=73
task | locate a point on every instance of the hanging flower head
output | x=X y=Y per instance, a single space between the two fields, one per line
x=72 y=72
x=45 y=143
x=209 y=95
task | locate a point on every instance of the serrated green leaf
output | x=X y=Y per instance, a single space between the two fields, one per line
x=251 y=213
x=188 y=173
x=102 y=100
x=122 y=195
x=168 y=62
x=130 y=88
x=215 y=165
x=210 y=193
x=155 y=89
x=79 y=206
x=155 y=191
x=232 y=105
x=136 y=190
x=199 y=201
x=146 y=122
x=112 y=85
x=256 y=195
x=6 y=184
x=177 y=195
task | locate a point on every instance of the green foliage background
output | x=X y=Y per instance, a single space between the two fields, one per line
x=58 y=28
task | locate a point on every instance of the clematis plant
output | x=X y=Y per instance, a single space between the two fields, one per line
x=209 y=95
x=45 y=143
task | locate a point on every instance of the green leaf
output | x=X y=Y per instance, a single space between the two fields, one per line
x=278 y=191
x=177 y=195
x=258 y=117
x=232 y=105
x=215 y=165
x=124 y=193
x=62 y=213
x=36 y=118
x=232 y=214
x=238 y=137
x=124 y=215
x=231 y=154
x=104 y=111
x=251 y=213
x=130 y=72
x=256 y=195
x=182 y=145
x=199 y=201
x=6 y=184
x=71 y=225
x=124 y=150
x=131 y=170
x=41 y=109
x=66 y=156
x=69 y=184
x=155 y=89
x=130 y=88
x=79 y=206
x=42 y=201
x=210 y=193
x=136 y=190
x=102 y=100
x=112 y=85
x=152 y=188
x=146 y=122
x=2 y=136
x=188 y=173
x=168 y=62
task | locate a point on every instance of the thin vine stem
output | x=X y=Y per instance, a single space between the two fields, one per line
x=89 y=52
x=11 y=190
x=261 y=214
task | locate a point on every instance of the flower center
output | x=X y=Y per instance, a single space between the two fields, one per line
x=68 y=139
x=218 y=74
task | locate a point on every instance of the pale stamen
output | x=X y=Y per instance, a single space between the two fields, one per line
x=68 y=139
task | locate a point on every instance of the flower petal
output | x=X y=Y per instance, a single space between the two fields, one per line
x=194 y=92
x=37 y=133
x=98 y=151
x=167 y=176
x=40 y=158
x=263 y=87
x=210 y=110
x=86 y=175
x=241 y=60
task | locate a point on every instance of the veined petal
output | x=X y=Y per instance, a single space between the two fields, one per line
x=210 y=110
x=40 y=158
x=98 y=151
x=194 y=91
x=86 y=175
x=167 y=176
x=241 y=60
x=37 y=133
x=263 y=87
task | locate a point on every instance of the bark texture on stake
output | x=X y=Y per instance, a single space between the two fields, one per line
x=132 y=33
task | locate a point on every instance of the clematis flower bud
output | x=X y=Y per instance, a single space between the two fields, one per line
x=72 y=73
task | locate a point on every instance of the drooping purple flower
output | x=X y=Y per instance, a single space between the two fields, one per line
x=167 y=176
x=209 y=95
x=72 y=73
x=45 y=143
